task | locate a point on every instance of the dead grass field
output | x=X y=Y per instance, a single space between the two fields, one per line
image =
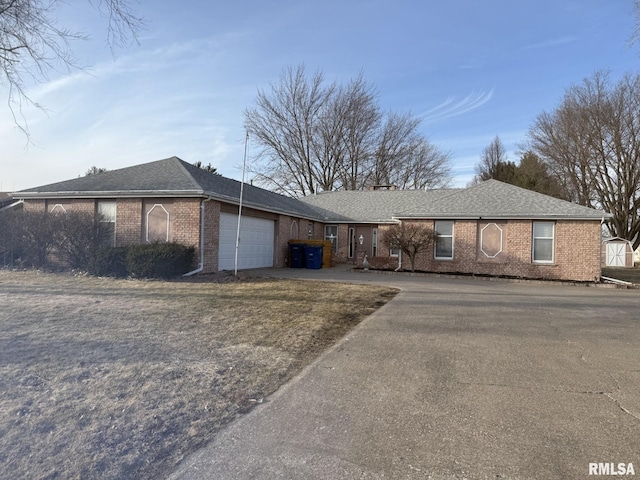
x=121 y=379
x=626 y=274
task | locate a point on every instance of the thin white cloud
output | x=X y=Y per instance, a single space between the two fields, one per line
x=452 y=106
x=142 y=61
x=552 y=42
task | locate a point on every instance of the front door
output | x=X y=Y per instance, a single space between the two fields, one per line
x=363 y=234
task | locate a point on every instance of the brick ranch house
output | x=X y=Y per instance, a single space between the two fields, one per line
x=489 y=229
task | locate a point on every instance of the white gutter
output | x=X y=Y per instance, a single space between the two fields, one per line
x=201 y=265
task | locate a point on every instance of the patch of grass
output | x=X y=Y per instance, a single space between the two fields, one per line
x=118 y=379
x=626 y=274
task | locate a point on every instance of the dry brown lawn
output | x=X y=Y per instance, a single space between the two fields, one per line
x=626 y=274
x=121 y=379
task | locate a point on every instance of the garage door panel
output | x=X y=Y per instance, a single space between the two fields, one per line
x=256 y=242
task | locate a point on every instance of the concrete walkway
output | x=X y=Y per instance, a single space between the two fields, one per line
x=454 y=378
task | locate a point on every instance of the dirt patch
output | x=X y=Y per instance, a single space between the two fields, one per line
x=118 y=379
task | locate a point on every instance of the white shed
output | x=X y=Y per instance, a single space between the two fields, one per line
x=617 y=252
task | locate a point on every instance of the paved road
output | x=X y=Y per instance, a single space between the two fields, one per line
x=455 y=378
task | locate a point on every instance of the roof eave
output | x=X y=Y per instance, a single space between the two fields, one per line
x=110 y=194
x=504 y=217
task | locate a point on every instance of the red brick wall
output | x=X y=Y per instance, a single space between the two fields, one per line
x=283 y=234
x=71 y=205
x=128 y=221
x=185 y=225
x=35 y=205
x=211 y=235
x=300 y=231
x=576 y=252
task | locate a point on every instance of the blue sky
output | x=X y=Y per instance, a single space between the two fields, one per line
x=471 y=69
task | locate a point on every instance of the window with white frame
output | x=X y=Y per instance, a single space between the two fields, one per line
x=331 y=234
x=107 y=221
x=444 y=240
x=158 y=222
x=543 y=236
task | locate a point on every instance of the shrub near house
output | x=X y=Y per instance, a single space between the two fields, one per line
x=75 y=240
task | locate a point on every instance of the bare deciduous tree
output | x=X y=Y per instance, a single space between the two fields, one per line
x=32 y=44
x=285 y=123
x=411 y=238
x=591 y=143
x=494 y=163
x=94 y=171
x=315 y=136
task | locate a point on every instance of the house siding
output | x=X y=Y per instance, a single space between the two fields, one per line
x=128 y=221
x=577 y=248
x=35 y=206
x=576 y=252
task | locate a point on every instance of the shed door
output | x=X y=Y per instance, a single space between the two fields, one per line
x=256 y=242
x=615 y=254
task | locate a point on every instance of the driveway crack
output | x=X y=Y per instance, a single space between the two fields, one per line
x=559 y=390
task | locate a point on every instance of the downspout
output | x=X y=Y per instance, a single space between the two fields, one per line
x=201 y=265
x=399 y=261
x=12 y=205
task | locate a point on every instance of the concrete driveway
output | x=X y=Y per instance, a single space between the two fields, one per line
x=455 y=378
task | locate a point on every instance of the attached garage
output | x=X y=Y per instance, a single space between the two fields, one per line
x=256 y=242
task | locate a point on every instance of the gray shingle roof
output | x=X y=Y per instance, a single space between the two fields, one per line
x=494 y=199
x=173 y=177
x=490 y=199
x=375 y=206
x=170 y=177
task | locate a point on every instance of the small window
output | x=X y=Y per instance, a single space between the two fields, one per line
x=543 y=234
x=331 y=234
x=394 y=252
x=444 y=240
x=158 y=222
x=374 y=242
x=352 y=240
x=107 y=219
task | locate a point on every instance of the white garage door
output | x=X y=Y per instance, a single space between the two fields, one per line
x=256 y=242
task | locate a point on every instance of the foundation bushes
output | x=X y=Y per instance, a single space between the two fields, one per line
x=159 y=260
x=154 y=260
x=75 y=240
x=109 y=262
x=77 y=237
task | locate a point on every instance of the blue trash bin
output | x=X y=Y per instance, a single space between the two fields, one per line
x=313 y=256
x=296 y=255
